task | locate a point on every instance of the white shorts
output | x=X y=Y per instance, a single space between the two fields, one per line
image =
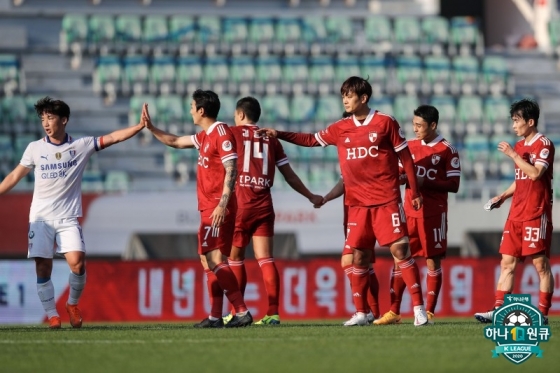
x=45 y=238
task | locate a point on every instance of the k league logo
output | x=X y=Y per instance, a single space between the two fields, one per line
x=517 y=329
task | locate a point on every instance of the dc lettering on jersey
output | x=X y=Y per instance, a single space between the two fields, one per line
x=429 y=173
x=362 y=152
x=203 y=161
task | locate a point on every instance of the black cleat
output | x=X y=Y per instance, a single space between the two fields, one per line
x=545 y=320
x=207 y=323
x=240 y=321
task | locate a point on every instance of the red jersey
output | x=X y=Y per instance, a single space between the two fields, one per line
x=532 y=199
x=215 y=146
x=368 y=158
x=436 y=161
x=256 y=165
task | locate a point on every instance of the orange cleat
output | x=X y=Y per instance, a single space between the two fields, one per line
x=75 y=315
x=55 y=323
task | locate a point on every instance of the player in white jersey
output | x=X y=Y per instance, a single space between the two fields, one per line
x=59 y=161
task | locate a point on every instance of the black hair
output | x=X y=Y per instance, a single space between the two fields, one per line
x=359 y=86
x=250 y=107
x=427 y=112
x=526 y=109
x=207 y=100
x=47 y=105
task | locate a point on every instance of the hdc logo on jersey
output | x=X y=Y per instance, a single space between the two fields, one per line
x=429 y=173
x=362 y=152
x=372 y=136
x=202 y=161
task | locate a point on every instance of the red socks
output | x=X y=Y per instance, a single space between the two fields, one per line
x=373 y=294
x=433 y=281
x=238 y=269
x=216 y=294
x=360 y=286
x=411 y=277
x=545 y=301
x=228 y=283
x=271 y=280
x=397 y=290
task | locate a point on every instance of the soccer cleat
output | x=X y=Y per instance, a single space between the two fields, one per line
x=485 y=317
x=430 y=317
x=238 y=321
x=75 y=315
x=207 y=323
x=388 y=318
x=545 y=320
x=55 y=323
x=269 y=320
x=420 y=316
x=370 y=317
x=358 y=319
x=227 y=318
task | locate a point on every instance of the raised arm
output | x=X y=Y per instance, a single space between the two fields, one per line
x=533 y=172
x=219 y=213
x=169 y=139
x=301 y=139
x=295 y=182
x=13 y=178
x=122 y=134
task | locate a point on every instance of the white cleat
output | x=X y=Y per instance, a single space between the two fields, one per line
x=485 y=317
x=370 y=317
x=358 y=319
x=420 y=316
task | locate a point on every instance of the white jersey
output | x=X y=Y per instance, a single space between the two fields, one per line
x=58 y=176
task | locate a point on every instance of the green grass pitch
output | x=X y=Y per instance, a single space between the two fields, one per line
x=451 y=345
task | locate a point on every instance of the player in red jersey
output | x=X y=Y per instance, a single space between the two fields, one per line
x=369 y=145
x=216 y=175
x=528 y=228
x=258 y=158
x=438 y=171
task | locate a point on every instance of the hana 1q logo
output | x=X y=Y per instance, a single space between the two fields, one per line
x=517 y=329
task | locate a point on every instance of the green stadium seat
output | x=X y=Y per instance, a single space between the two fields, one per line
x=302 y=109
x=209 y=29
x=465 y=70
x=554 y=32
x=294 y=69
x=6 y=148
x=74 y=28
x=92 y=181
x=216 y=69
x=189 y=72
x=345 y=67
x=9 y=68
x=329 y=109
x=261 y=30
x=495 y=73
x=376 y=68
x=313 y=28
x=339 y=29
x=227 y=108
x=170 y=110
x=182 y=28
x=331 y=154
x=438 y=72
x=288 y=30
x=162 y=74
x=135 y=74
x=407 y=30
x=446 y=108
x=108 y=70
x=242 y=70
x=275 y=109
x=495 y=139
x=135 y=108
x=377 y=29
x=464 y=31
x=496 y=113
x=268 y=69
x=470 y=113
x=116 y=181
x=128 y=28
x=101 y=29
x=404 y=107
x=32 y=117
x=435 y=29
x=235 y=30
x=409 y=73
x=321 y=70
x=155 y=29
x=382 y=104
x=291 y=150
x=20 y=144
x=14 y=109
x=476 y=148
x=321 y=177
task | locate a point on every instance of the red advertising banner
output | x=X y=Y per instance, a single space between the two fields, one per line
x=313 y=289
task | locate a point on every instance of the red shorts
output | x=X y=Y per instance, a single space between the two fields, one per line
x=249 y=223
x=525 y=238
x=384 y=224
x=428 y=236
x=210 y=238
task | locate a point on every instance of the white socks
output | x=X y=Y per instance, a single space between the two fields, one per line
x=46 y=295
x=77 y=284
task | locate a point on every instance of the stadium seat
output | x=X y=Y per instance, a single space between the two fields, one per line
x=107 y=70
x=74 y=30
x=189 y=74
x=242 y=70
x=409 y=74
x=32 y=117
x=162 y=75
x=9 y=68
x=375 y=68
x=382 y=104
x=329 y=109
x=261 y=30
x=378 y=33
x=216 y=69
x=554 y=32
x=339 y=29
x=92 y=181
x=170 y=110
x=6 y=148
x=438 y=73
x=470 y=113
x=495 y=139
x=321 y=73
x=209 y=29
x=302 y=109
x=135 y=74
x=288 y=30
x=235 y=30
x=275 y=109
x=128 y=28
x=465 y=73
x=496 y=114
x=268 y=69
x=116 y=181
x=14 y=110
x=20 y=144
x=182 y=28
x=435 y=30
x=446 y=108
x=294 y=74
x=313 y=29
x=495 y=73
x=101 y=36
x=345 y=67
x=464 y=33
x=155 y=29
x=476 y=148
x=227 y=108
x=407 y=33
x=404 y=107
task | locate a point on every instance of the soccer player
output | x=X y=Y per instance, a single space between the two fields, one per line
x=438 y=171
x=369 y=145
x=258 y=157
x=216 y=174
x=348 y=257
x=528 y=228
x=59 y=162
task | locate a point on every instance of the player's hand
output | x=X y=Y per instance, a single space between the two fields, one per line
x=316 y=200
x=270 y=132
x=494 y=203
x=218 y=216
x=417 y=203
x=145 y=119
x=506 y=148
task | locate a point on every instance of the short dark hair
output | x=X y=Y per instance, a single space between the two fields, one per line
x=47 y=105
x=526 y=109
x=359 y=86
x=250 y=107
x=207 y=100
x=427 y=112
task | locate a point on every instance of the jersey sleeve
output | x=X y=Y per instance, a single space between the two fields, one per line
x=27 y=157
x=197 y=139
x=328 y=136
x=225 y=143
x=545 y=153
x=396 y=134
x=280 y=156
x=453 y=163
x=92 y=144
